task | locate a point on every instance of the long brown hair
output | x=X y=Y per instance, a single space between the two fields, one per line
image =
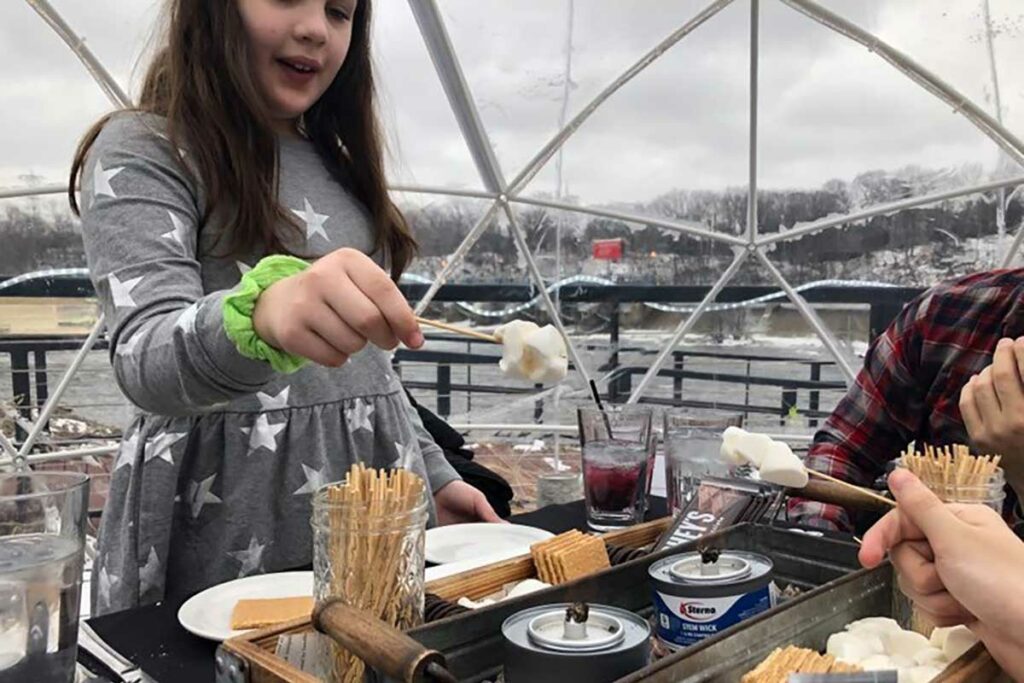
x=200 y=82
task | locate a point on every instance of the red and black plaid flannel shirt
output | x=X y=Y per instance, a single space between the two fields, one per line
x=909 y=388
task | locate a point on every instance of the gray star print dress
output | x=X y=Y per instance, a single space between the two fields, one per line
x=213 y=478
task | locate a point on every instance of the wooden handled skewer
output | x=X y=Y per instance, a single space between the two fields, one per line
x=458 y=330
x=851 y=487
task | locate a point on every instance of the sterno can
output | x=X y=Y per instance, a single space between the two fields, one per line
x=698 y=595
x=574 y=642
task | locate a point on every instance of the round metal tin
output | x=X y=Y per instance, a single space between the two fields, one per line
x=695 y=600
x=537 y=651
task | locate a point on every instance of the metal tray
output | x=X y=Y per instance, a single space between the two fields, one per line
x=473 y=645
x=806 y=621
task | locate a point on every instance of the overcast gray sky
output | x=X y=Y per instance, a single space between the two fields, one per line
x=828 y=107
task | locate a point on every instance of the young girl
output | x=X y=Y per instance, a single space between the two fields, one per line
x=237 y=226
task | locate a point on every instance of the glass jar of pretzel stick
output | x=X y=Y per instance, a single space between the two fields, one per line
x=368 y=550
x=957 y=476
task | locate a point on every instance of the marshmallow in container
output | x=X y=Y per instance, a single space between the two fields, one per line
x=524 y=587
x=533 y=353
x=775 y=460
x=879 y=644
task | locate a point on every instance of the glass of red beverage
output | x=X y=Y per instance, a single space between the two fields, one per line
x=618 y=457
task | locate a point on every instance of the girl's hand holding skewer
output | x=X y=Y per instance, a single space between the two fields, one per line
x=330 y=311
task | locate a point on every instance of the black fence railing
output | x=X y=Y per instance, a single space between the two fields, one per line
x=30 y=373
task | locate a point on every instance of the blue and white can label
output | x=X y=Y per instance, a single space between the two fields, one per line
x=694 y=601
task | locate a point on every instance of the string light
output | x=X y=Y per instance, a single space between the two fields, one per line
x=665 y=308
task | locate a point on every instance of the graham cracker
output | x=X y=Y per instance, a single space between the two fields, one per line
x=583 y=558
x=269 y=611
x=777 y=666
x=543 y=552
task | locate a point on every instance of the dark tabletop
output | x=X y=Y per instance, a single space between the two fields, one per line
x=152 y=638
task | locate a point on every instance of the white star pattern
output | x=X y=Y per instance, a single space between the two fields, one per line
x=406 y=454
x=127 y=452
x=251 y=558
x=314 y=480
x=159 y=447
x=101 y=178
x=314 y=221
x=150 y=573
x=263 y=434
x=199 y=494
x=127 y=347
x=121 y=292
x=106 y=582
x=358 y=416
x=243 y=267
x=187 y=319
x=177 y=233
x=279 y=402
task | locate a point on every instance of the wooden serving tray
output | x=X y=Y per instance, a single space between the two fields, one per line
x=251 y=657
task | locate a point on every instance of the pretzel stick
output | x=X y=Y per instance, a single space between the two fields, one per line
x=369 y=519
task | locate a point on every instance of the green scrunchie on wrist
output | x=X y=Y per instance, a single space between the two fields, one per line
x=240 y=304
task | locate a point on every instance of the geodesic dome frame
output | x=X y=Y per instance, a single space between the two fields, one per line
x=504 y=195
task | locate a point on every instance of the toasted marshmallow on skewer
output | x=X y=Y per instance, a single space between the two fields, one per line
x=741 y=447
x=781 y=466
x=774 y=459
x=533 y=353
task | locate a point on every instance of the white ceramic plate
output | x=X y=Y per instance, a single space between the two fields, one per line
x=208 y=614
x=495 y=542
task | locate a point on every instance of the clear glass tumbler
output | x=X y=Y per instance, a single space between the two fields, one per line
x=693 y=446
x=618 y=456
x=42 y=541
x=372 y=560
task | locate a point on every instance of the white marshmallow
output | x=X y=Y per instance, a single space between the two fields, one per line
x=528 y=586
x=474 y=604
x=938 y=637
x=877 y=663
x=959 y=640
x=876 y=625
x=730 y=437
x=533 y=353
x=904 y=644
x=930 y=656
x=742 y=447
x=546 y=344
x=853 y=647
x=902 y=662
x=781 y=466
x=918 y=674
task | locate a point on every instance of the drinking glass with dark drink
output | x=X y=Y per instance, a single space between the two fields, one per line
x=618 y=454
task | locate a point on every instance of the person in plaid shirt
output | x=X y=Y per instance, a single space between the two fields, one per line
x=942 y=353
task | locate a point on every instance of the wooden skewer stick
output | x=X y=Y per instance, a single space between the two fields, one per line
x=848 y=485
x=458 y=330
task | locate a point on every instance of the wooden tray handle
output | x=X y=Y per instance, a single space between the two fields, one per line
x=380 y=645
x=827 y=492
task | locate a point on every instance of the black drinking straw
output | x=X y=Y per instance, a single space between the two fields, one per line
x=600 y=406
